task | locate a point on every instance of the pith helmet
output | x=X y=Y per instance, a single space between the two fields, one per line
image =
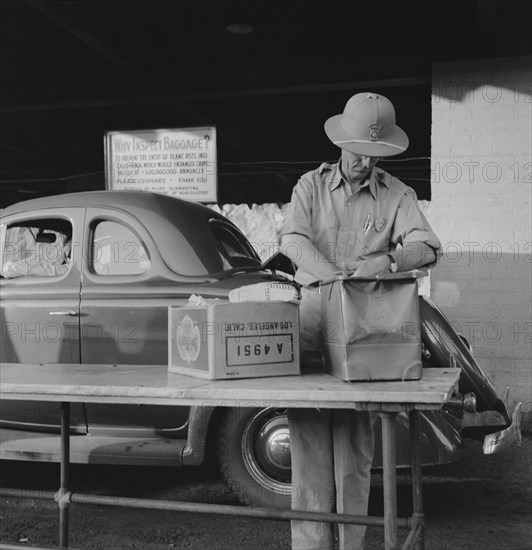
x=367 y=127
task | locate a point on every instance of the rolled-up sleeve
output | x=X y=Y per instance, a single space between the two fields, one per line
x=299 y=211
x=411 y=226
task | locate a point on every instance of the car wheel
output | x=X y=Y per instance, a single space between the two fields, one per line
x=254 y=455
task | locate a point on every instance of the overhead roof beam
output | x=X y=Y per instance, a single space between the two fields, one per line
x=81 y=34
x=97 y=45
x=17 y=150
x=179 y=97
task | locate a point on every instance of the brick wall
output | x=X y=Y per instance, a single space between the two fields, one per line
x=481 y=210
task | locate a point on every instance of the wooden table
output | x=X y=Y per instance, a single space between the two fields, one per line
x=153 y=385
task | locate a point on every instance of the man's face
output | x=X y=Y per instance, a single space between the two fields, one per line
x=357 y=167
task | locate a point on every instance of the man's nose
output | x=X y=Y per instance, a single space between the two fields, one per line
x=366 y=161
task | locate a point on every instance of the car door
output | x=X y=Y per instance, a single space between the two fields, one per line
x=124 y=318
x=40 y=295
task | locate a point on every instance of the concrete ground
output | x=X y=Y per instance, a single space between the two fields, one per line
x=482 y=502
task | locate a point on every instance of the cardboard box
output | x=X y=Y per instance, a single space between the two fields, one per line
x=234 y=340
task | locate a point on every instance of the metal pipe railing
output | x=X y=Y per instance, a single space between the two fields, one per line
x=227 y=510
x=202 y=508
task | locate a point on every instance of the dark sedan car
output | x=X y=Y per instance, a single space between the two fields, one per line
x=88 y=278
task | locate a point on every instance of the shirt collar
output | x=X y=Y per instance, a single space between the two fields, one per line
x=375 y=178
x=335 y=179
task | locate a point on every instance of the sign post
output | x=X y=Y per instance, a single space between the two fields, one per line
x=180 y=162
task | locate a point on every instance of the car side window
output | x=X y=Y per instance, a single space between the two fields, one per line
x=116 y=250
x=36 y=248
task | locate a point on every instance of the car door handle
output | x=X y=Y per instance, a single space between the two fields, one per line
x=69 y=313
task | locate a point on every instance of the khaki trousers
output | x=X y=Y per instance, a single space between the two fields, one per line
x=332 y=452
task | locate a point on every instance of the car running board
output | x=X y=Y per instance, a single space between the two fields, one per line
x=86 y=449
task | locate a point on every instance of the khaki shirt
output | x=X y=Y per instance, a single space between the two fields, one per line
x=348 y=227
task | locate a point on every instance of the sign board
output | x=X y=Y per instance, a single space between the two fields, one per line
x=180 y=162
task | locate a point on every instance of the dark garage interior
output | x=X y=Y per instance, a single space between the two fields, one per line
x=266 y=74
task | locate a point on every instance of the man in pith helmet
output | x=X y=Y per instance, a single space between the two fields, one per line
x=346 y=219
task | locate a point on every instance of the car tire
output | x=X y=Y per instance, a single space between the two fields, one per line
x=254 y=455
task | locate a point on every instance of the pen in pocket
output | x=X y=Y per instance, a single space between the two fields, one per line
x=368 y=224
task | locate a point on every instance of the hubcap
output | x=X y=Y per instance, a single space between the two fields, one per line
x=266 y=450
x=277 y=447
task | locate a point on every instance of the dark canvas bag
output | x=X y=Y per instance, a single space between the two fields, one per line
x=371 y=328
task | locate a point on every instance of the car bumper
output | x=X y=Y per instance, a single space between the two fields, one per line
x=498 y=441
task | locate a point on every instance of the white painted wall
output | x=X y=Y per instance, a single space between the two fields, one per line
x=481 y=210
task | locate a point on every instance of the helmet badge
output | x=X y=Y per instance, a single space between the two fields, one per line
x=374 y=131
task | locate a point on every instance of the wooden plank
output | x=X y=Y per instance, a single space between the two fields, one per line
x=145 y=384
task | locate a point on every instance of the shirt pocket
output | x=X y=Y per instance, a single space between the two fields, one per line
x=373 y=242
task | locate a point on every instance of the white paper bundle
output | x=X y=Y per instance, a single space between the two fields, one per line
x=266 y=292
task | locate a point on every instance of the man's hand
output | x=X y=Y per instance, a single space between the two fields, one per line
x=379 y=265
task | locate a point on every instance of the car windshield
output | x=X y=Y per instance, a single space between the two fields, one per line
x=233 y=248
x=204 y=245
